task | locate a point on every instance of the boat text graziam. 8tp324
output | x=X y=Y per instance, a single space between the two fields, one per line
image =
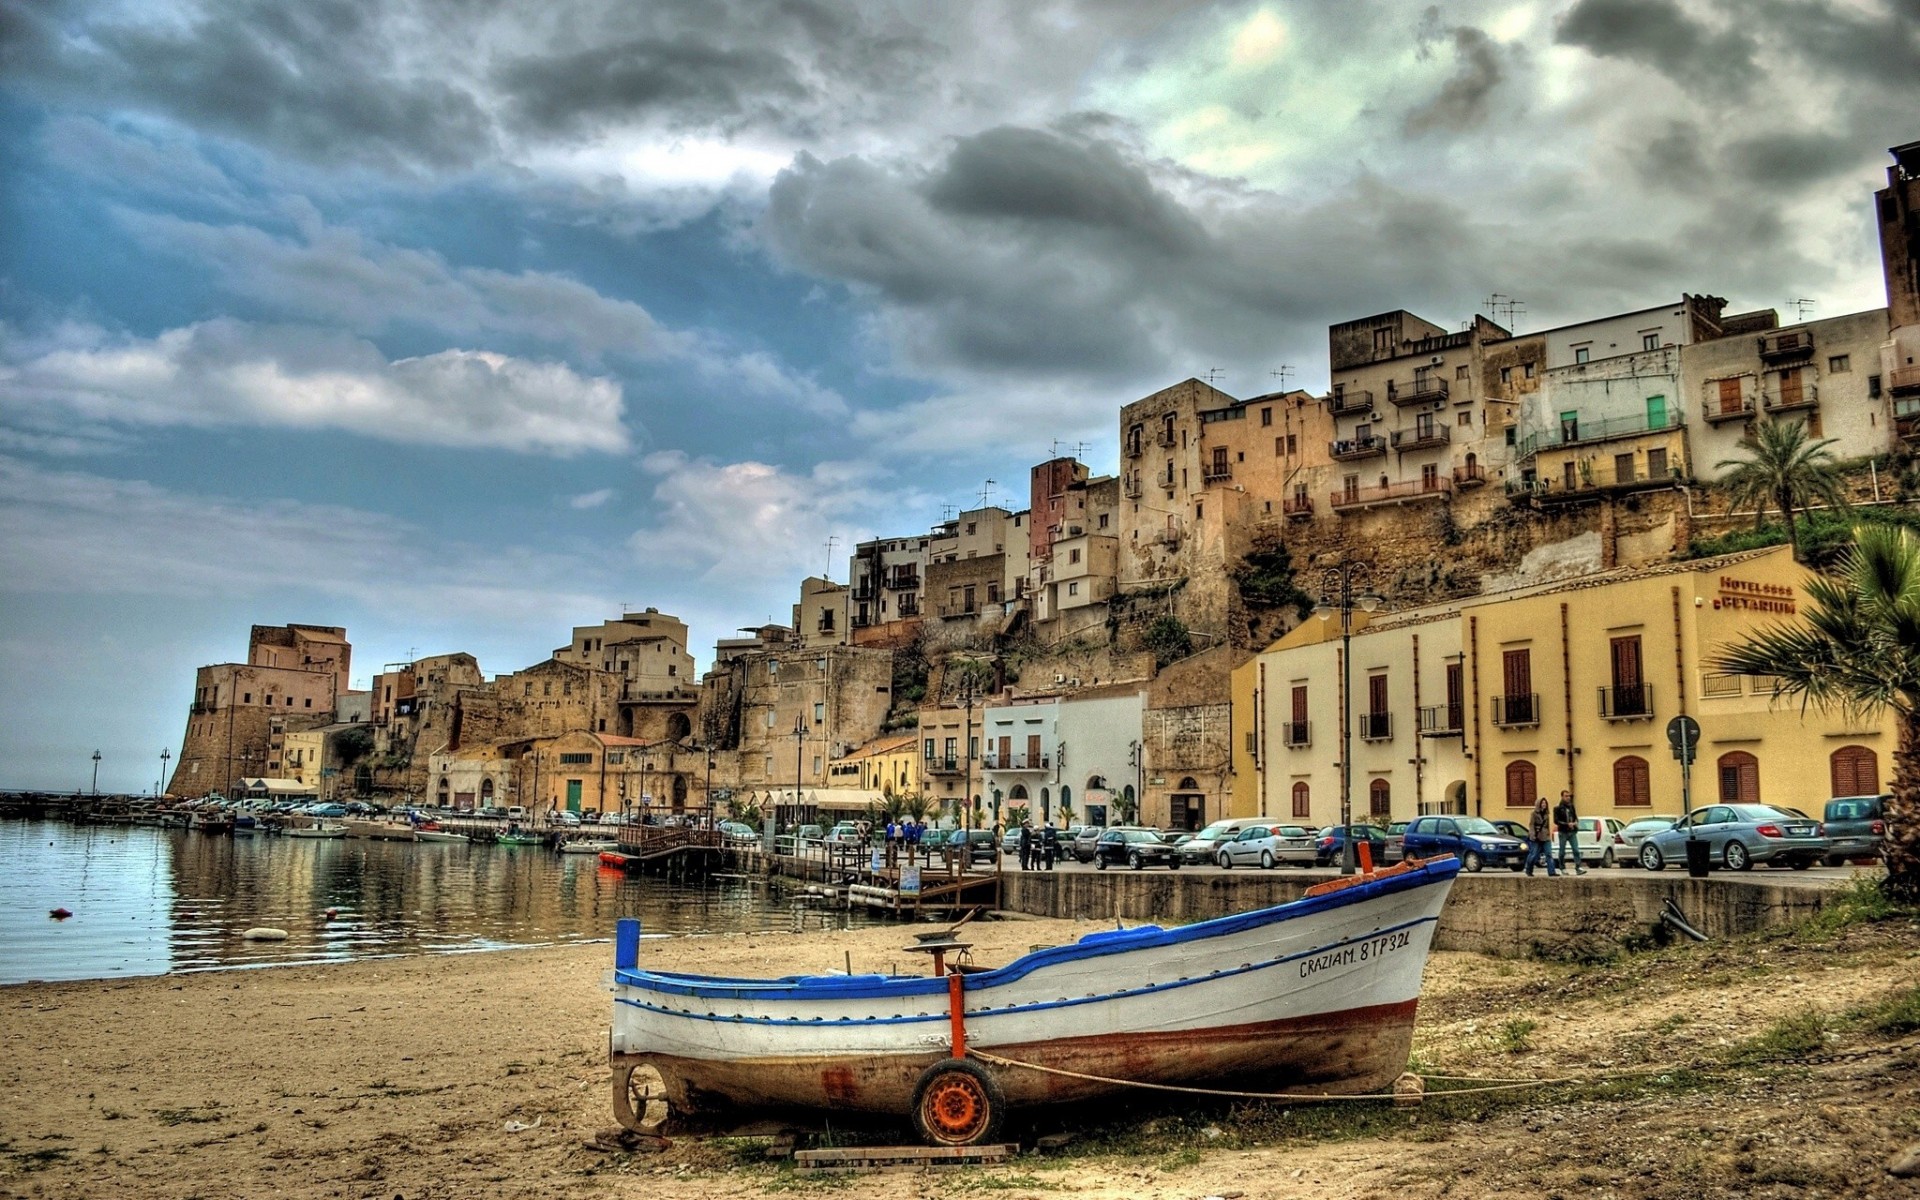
x=1314 y=997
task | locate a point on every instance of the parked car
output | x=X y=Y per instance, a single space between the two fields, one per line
x=326 y=810
x=1135 y=847
x=738 y=832
x=808 y=835
x=1513 y=829
x=1204 y=846
x=565 y=819
x=1600 y=842
x=1396 y=842
x=1330 y=843
x=1473 y=840
x=1857 y=826
x=1739 y=835
x=516 y=813
x=844 y=834
x=1640 y=829
x=1082 y=845
x=1267 y=846
x=1010 y=840
x=980 y=847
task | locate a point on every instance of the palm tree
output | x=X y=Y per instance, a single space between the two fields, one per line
x=1859 y=652
x=1783 y=470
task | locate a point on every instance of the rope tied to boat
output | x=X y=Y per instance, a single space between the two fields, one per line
x=1494 y=1085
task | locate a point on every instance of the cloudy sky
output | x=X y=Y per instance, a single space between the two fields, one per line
x=459 y=322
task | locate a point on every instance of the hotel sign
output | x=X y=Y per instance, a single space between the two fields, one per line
x=1753 y=596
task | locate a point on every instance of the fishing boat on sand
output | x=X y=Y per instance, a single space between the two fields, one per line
x=1314 y=997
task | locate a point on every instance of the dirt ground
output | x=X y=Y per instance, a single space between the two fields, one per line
x=483 y=1075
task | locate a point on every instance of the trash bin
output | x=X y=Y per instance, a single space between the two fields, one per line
x=1697 y=857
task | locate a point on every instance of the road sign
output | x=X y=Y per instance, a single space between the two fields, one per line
x=1683 y=734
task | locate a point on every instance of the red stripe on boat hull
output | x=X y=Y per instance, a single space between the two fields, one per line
x=1360 y=1050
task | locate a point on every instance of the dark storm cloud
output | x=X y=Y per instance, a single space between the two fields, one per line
x=1658 y=34
x=1881 y=48
x=320 y=78
x=1030 y=174
x=1796 y=160
x=697 y=83
x=1463 y=101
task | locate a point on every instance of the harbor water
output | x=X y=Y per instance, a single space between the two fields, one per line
x=148 y=900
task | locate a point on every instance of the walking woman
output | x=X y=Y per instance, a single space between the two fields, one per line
x=1540 y=838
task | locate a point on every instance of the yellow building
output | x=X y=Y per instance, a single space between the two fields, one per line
x=1487 y=705
x=884 y=766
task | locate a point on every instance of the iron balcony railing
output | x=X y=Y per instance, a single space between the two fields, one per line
x=1420 y=391
x=1785 y=347
x=1392 y=493
x=943 y=766
x=1628 y=702
x=1297 y=508
x=1579 y=432
x=1216 y=471
x=1374 y=726
x=1516 y=710
x=1470 y=475
x=1442 y=720
x=1348 y=449
x=1729 y=410
x=1349 y=400
x=1018 y=762
x=1295 y=734
x=1805 y=396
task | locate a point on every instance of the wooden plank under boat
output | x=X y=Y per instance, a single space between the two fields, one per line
x=1313 y=997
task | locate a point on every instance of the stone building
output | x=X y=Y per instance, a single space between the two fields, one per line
x=776 y=716
x=884 y=580
x=1897 y=213
x=241 y=712
x=417 y=707
x=575 y=771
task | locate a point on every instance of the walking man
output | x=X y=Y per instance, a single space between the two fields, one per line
x=1540 y=838
x=1026 y=846
x=1566 y=824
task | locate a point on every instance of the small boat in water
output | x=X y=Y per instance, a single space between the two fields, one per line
x=518 y=839
x=322 y=830
x=1315 y=998
x=425 y=833
x=587 y=845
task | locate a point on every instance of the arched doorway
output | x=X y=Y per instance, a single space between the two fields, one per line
x=1187 y=806
x=442 y=794
x=486 y=793
x=1855 y=771
x=679 y=792
x=1739 y=774
x=679 y=727
x=1046 y=806
x=1456 y=798
x=1066 y=803
x=1302 y=800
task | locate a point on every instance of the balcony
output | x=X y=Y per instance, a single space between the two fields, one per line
x=1134 y=444
x=1791 y=399
x=1471 y=475
x=199 y=707
x=1442 y=720
x=1374 y=726
x=1904 y=381
x=1355 y=448
x=1342 y=402
x=905 y=581
x=1729 y=410
x=942 y=766
x=1393 y=493
x=1299 y=508
x=1630 y=702
x=1786 y=347
x=1516 y=711
x=1906 y=419
x=1423 y=390
x=1581 y=432
x=1422 y=437
x=908 y=606
x=1133 y=487
x=673 y=695
x=1018 y=762
x=1296 y=735
x=1215 y=472
x=1590 y=481
x=1166 y=437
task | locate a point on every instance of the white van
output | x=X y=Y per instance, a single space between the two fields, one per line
x=1204 y=847
x=516 y=813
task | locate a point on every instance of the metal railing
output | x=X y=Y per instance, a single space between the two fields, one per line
x=1516 y=710
x=1374 y=726
x=1419 y=392
x=1357 y=447
x=1720 y=410
x=1018 y=762
x=1349 y=401
x=1629 y=702
x=1575 y=433
x=1297 y=506
x=1411 y=489
x=1806 y=396
x=1470 y=475
x=1779 y=347
x=1422 y=436
x=1442 y=720
x=1904 y=381
x=1216 y=471
x=1295 y=734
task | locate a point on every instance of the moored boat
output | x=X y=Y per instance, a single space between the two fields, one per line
x=587 y=845
x=1315 y=997
x=424 y=834
x=322 y=830
x=518 y=839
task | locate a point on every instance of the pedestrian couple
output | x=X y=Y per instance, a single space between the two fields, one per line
x=1563 y=821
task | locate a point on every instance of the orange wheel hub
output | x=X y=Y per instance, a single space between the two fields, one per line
x=955 y=1108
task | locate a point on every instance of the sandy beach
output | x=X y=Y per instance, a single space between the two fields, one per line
x=401 y=1078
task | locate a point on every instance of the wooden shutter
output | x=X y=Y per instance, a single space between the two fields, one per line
x=1302 y=800
x=1376 y=695
x=1729 y=395
x=1626 y=662
x=1631 y=788
x=1299 y=703
x=1454 y=696
x=1033 y=751
x=1856 y=772
x=1790 y=386
x=1739 y=778
x=1521 y=791
x=1379 y=798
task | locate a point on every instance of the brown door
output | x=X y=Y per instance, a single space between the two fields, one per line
x=1297 y=731
x=1739 y=778
x=1005 y=757
x=1790 y=387
x=1629 y=694
x=1516 y=668
x=1455 y=703
x=1033 y=750
x=1729 y=395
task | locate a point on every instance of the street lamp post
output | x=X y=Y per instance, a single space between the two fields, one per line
x=96 y=772
x=1337 y=596
x=161 y=786
x=799 y=745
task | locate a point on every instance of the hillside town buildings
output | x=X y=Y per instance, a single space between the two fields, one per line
x=1525 y=502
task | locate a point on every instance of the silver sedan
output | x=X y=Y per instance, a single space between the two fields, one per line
x=1739 y=835
x=1267 y=846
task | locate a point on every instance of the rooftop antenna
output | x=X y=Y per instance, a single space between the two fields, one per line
x=948 y=512
x=1079 y=449
x=1212 y=375
x=1801 y=307
x=1506 y=308
x=833 y=539
x=986 y=492
x=1285 y=372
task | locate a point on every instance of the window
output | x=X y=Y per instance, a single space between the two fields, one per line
x=1856 y=772
x=1656 y=462
x=1302 y=801
x=1383 y=341
x=1506 y=374
x=1430 y=477
x=1266 y=416
x=1073 y=589
x=1199 y=510
x=307 y=703
x=1650 y=341
x=1464 y=418
x=246 y=697
x=1526 y=370
x=819 y=712
x=1460 y=372
x=1791 y=391
x=616 y=757
x=1739 y=778
x=1379 y=798
x=1073 y=556
x=1630 y=787
x=1580 y=354
x=928 y=755
x=1873 y=385
x=575 y=760
x=1522 y=790
x=1103 y=519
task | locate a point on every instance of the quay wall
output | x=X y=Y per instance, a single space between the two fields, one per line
x=1500 y=914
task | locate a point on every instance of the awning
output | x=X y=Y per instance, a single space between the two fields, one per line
x=280 y=787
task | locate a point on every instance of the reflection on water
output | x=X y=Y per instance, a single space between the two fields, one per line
x=147 y=901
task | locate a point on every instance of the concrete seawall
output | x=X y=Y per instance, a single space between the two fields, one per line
x=1500 y=913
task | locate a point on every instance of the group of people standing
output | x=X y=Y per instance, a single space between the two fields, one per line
x=1038 y=848
x=1561 y=825
x=903 y=838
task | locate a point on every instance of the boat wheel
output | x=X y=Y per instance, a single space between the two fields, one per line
x=958 y=1103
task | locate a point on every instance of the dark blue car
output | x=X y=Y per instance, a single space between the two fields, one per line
x=1472 y=840
x=1329 y=843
